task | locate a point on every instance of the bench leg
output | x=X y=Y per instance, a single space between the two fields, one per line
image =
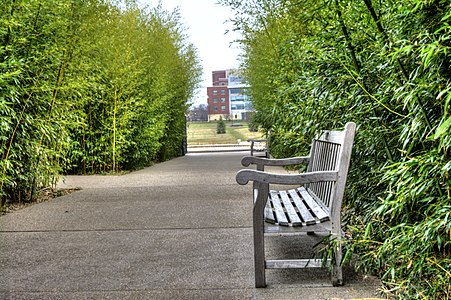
x=337 y=273
x=259 y=235
x=259 y=252
x=259 y=258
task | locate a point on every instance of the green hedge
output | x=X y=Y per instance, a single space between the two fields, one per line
x=88 y=87
x=386 y=66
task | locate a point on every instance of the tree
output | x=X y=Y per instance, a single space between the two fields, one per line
x=198 y=113
x=220 y=126
x=87 y=87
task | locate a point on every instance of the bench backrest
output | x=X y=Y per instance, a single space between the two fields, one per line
x=331 y=151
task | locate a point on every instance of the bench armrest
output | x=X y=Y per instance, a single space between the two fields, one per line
x=247 y=160
x=244 y=176
x=257 y=140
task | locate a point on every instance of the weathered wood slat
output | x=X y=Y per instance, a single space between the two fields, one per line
x=269 y=213
x=291 y=212
x=295 y=263
x=332 y=136
x=315 y=208
x=303 y=203
x=276 y=229
x=278 y=209
x=318 y=200
x=325 y=156
x=303 y=210
x=247 y=160
x=246 y=175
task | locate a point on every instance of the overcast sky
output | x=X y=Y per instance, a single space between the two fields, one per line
x=206 y=27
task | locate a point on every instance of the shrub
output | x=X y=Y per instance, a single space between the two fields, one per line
x=221 y=127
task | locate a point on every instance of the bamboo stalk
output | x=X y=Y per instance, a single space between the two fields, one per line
x=357 y=65
x=8 y=33
x=348 y=39
x=114 y=129
x=401 y=66
x=13 y=136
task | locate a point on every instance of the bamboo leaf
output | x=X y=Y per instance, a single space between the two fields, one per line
x=443 y=128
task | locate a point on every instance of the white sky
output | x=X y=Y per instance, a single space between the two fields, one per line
x=206 y=27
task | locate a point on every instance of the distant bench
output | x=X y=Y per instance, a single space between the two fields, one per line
x=259 y=146
x=314 y=206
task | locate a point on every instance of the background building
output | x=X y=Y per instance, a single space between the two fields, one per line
x=227 y=97
x=219 y=78
x=240 y=104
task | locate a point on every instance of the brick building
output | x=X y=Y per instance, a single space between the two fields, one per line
x=227 y=97
x=218 y=97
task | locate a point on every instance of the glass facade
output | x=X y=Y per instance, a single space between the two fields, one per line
x=237 y=106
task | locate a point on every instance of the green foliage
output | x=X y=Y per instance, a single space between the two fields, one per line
x=87 y=87
x=386 y=66
x=253 y=124
x=220 y=126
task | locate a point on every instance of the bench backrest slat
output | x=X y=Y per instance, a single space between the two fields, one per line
x=325 y=155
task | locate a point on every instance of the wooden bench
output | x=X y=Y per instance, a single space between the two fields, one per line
x=313 y=205
x=259 y=146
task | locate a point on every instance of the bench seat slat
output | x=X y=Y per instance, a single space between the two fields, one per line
x=320 y=203
x=291 y=212
x=278 y=209
x=303 y=210
x=316 y=209
x=269 y=213
x=295 y=207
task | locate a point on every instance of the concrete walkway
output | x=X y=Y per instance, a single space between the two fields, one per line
x=177 y=230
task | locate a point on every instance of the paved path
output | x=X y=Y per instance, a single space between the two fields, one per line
x=177 y=230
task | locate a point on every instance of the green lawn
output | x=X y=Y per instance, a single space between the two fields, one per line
x=204 y=133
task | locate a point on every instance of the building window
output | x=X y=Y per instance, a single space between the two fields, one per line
x=222 y=92
x=223 y=107
x=222 y=99
x=215 y=92
x=235 y=91
x=215 y=108
x=215 y=100
x=237 y=106
x=237 y=98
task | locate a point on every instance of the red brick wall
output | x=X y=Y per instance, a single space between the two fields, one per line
x=217 y=76
x=219 y=103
